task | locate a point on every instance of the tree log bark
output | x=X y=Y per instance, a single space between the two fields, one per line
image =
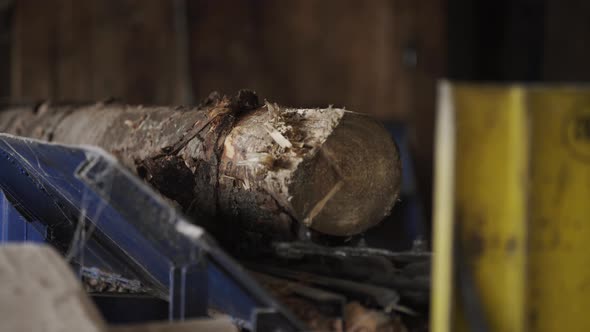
x=259 y=170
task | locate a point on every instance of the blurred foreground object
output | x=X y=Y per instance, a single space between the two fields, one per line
x=40 y=293
x=262 y=169
x=512 y=190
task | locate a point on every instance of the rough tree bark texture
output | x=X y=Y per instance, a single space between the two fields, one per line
x=259 y=170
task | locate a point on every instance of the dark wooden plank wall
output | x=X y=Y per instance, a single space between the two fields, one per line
x=88 y=50
x=5 y=46
x=306 y=53
x=311 y=52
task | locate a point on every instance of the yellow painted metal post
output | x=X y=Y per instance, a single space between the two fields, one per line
x=513 y=181
x=490 y=201
x=559 y=255
x=442 y=283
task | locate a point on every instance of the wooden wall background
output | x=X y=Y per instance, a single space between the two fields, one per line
x=380 y=57
x=88 y=50
x=5 y=43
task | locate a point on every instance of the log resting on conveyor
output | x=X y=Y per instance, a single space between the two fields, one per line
x=256 y=172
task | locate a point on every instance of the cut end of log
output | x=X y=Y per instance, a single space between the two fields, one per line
x=352 y=183
x=335 y=171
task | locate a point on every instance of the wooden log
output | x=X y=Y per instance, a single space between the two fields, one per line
x=261 y=170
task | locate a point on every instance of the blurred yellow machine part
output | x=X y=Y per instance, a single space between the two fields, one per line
x=512 y=209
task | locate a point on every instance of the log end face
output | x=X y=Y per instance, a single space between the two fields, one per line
x=352 y=183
